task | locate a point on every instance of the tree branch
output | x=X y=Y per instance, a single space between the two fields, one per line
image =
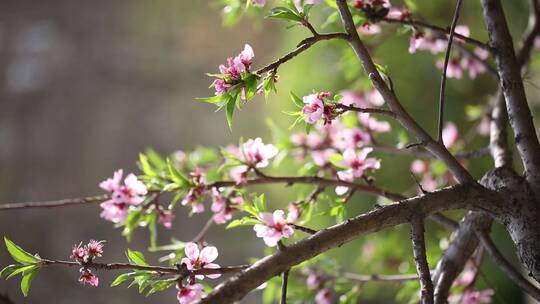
x=52 y=204
x=406 y=120
x=445 y=67
x=461 y=196
x=514 y=92
x=506 y=267
x=419 y=253
x=302 y=46
x=439 y=30
x=158 y=269
x=462 y=246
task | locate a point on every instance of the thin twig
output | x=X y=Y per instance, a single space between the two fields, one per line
x=364 y=110
x=419 y=252
x=302 y=46
x=304 y=229
x=200 y=236
x=443 y=76
x=57 y=203
x=284 y=282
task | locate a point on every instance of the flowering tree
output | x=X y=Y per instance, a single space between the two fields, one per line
x=334 y=157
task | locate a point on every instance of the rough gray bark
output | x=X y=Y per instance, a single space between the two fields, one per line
x=514 y=92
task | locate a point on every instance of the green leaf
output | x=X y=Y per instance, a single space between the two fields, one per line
x=230 y=111
x=136 y=257
x=331 y=3
x=22 y=269
x=151 y=219
x=176 y=175
x=213 y=99
x=19 y=254
x=245 y=221
x=296 y=100
x=260 y=203
x=284 y=13
x=145 y=166
x=27 y=280
x=160 y=285
x=123 y=277
x=8 y=270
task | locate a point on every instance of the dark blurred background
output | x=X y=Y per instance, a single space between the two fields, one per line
x=87 y=85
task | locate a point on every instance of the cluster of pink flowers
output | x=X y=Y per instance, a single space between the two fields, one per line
x=315 y=109
x=231 y=73
x=165 y=217
x=456 y=65
x=131 y=193
x=223 y=207
x=356 y=163
x=276 y=226
x=196 y=192
x=84 y=255
x=254 y=154
x=376 y=10
x=197 y=259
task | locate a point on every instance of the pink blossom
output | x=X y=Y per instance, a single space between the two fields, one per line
x=313 y=281
x=88 y=277
x=450 y=134
x=113 y=211
x=257 y=154
x=419 y=41
x=472 y=297
x=78 y=253
x=369 y=29
x=239 y=174
x=372 y=124
x=321 y=158
x=293 y=213
x=473 y=66
x=225 y=214
x=190 y=294
x=196 y=192
x=358 y=163
x=537 y=42
x=324 y=296
x=374 y=97
x=313 y=108
x=353 y=98
x=85 y=254
x=232 y=72
x=165 y=218
x=273 y=228
x=419 y=166
x=132 y=192
x=354 y=138
x=221 y=86
x=346 y=176
x=453 y=70
x=311 y=140
x=428 y=182
x=398 y=13
x=463 y=30
x=94 y=249
x=198 y=259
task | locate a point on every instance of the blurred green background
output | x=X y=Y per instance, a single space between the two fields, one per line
x=86 y=86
